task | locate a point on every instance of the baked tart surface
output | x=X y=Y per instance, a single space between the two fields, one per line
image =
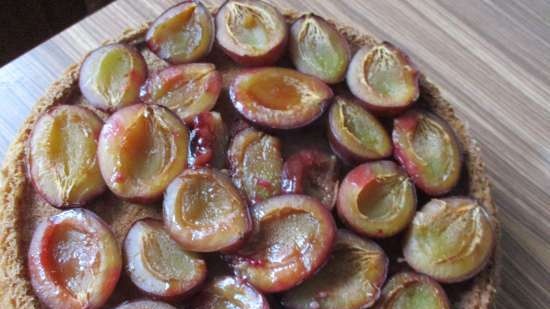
x=23 y=208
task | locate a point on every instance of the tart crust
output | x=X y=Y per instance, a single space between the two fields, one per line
x=21 y=209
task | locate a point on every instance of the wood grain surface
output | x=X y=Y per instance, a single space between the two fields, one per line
x=491 y=59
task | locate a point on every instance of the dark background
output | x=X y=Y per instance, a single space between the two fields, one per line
x=26 y=23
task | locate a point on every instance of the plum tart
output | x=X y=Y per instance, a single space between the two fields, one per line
x=224 y=153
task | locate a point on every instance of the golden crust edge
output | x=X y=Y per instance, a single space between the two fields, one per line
x=15 y=289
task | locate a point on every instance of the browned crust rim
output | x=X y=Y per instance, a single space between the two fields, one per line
x=15 y=289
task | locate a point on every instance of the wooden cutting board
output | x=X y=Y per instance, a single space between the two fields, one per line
x=491 y=59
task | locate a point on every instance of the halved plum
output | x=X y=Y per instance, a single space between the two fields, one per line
x=251 y=32
x=408 y=290
x=427 y=148
x=314 y=173
x=157 y=265
x=256 y=164
x=186 y=89
x=145 y=304
x=279 y=98
x=74 y=260
x=384 y=78
x=351 y=279
x=61 y=156
x=110 y=76
x=229 y=292
x=292 y=238
x=237 y=126
x=318 y=49
x=141 y=149
x=377 y=199
x=208 y=141
x=183 y=33
x=354 y=134
x=450 y=240
x=204 y=212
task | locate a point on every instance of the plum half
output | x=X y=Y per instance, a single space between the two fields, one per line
x=450 y=239
x=318 y=49
x=74 y=260
x=351 y=279
x=314 y=173
x=204 y=212
x=256 y=164
x=377 y=199
x=292 y=237
x=408 y=290
x=110 y=76
x=229 y=292
x=141 y=149
x=186 y=89
x=145 y=304
x=157 y=265
x=354 y=134
x=207 y=141
x=384 y=78
x=183 y=33
x=61 y=156
x=279 y=98
x=251 y=32
x=427 y=148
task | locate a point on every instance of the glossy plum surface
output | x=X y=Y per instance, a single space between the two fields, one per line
x=428 y=150
x=377 y=199
x=279 y=98
x=293 y=235
x=450 y=239
x=207 y=141
x=316 y=48
x=145 y=304
x=409 y=290
x=351 y=279
x=256 y=164
x=110 y=76
x=61 y=156
x=74 y=260
x=204 y=212
x=186 y=89
x=183 y=33
x=141 y=149
x=156 y=263
x=251 y=33
x=354 y=134
x=314 y=173
x=384 y=78
x=229 y=292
